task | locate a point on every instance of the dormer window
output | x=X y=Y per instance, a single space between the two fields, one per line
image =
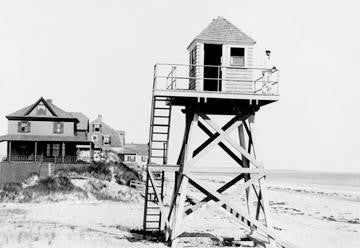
x=237 y=56
x=106 y=140
x=97 y=128
x=58 y=127
x=24 y=127
x=41 y=109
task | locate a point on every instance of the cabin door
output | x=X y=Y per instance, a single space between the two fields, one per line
x=212 y=67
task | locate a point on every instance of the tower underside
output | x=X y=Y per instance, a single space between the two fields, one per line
x=248 y=176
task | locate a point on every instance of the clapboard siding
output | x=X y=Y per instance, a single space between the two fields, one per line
x=196 y=71
x=238 y=80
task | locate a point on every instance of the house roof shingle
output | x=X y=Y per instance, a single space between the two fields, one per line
x=138 y=149
x=58 y=112
x=222 y=31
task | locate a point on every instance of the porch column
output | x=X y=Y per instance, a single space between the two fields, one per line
x=63 y=152
x=35 y=150
x=91 y=152
x=9 y=151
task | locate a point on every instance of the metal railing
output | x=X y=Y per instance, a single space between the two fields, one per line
x=43 y=159
x=230 y=79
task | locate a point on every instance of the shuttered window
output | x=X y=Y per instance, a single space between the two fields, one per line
x=97 y=128
x=58 y=127
x=106 y=140
x=24 y=127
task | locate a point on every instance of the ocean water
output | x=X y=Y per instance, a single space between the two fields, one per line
x=316 y=180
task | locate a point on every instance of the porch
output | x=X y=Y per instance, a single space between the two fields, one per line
x=42 y=149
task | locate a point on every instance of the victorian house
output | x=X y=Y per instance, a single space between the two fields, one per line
x=44 y=132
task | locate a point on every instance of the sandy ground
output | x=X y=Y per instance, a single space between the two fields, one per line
x=302 y=216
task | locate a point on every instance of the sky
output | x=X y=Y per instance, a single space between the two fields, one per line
x=97 y=57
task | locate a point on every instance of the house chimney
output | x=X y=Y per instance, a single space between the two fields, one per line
x=49 y=101
x=100 y=117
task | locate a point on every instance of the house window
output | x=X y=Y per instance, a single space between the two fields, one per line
x=56 y=150
x=143 y=159
x=94 y=138
x=106 y=140
x=24 y=127
x=131 y=158
x=58 y=127
x=97 y=128
x=41 y=109
x=237 y=56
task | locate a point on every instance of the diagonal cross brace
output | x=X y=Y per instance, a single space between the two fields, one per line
x=224 y=135
x=229 y=207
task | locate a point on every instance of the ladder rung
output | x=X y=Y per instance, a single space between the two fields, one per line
x=163 y=108
x=152 y=221
x=161 y=100
x=160 y=125
x=147 y=214
x=156 y=156
x=161 y=116
x=158 y=149
x=163 y=141
x=160 y=133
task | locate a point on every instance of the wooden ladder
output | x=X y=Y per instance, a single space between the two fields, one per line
x=158 y=152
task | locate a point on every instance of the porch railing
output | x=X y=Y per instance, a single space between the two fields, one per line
x=259 y=81
x=39 y=158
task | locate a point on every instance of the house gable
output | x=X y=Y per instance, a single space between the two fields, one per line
x=41 y=108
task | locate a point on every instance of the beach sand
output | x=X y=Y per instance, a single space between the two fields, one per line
x=304 y=215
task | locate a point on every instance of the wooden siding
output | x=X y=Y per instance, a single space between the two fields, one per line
x=42 y=128
x=230 y=74
x=196 y=71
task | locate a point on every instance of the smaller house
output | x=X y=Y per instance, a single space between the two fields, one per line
x=134 y=153
x=104 y=137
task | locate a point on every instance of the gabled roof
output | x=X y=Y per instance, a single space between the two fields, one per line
x=138 y=149
x=55 y=110
x=221 y=31
x=106 y=130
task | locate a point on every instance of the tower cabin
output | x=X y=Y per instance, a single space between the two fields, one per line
x=220 y=70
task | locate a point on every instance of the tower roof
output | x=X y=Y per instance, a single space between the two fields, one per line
x=221 y=31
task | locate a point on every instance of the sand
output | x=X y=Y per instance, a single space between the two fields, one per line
x=304 y=216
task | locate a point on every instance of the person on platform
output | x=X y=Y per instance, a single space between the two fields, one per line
x=268 y=74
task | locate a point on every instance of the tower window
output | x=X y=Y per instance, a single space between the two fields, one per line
x=237 y=56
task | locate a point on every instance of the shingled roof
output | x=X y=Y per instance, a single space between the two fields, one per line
x=83 y=121
x=221 y=31
x=56 y=111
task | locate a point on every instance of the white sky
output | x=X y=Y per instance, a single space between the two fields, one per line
x=98 y=57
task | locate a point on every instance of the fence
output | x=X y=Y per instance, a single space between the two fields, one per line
x=40 y=158
x=18 y=171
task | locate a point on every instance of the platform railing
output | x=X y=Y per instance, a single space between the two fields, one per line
x=44 y=159
x=228 y=79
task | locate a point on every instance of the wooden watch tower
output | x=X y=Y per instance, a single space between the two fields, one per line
x=219 y=80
